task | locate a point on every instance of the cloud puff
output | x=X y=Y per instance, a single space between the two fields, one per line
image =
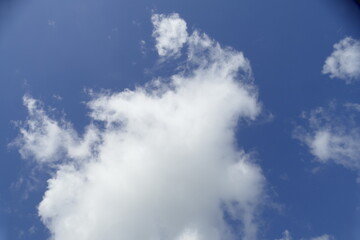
x=323 y=237
x=333 y=136
x=170 y=34
x=157 y=162
x=344 y=62
x=287 y=236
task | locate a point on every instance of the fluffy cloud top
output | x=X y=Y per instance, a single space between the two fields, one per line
x=344 y=62
x=333 y=137
x=170 y=34
x=157 y=162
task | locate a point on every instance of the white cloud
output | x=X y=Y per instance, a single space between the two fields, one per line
x=344 y=62
x=46 y=139
x=285 y=236
x=333 y=136
x=143 y=47
x=323 y=237
x=189 y=235
x=170 y=34
x=57 y=97
x=158 y=162
x=51 y=23
x=353 y=106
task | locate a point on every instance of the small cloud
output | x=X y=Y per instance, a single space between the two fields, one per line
x=285 y=236
x=51 y=23
x=57 y=97
x=323 y=237
x=284 y=177
x=344 y=62
x=354 y=106
x=136 y=23
x=32 y=230
x=170 y=34
x=142 y=44
x=332 y=135
x=317 y=169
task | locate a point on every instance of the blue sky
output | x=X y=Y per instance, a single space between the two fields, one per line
x=296 y=133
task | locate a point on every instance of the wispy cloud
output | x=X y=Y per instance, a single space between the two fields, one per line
x=287 y=236
x=333 y=135
x=323 y=237
x=344 y=62
x=157 y=162
x=51 y=23
x=48 y=140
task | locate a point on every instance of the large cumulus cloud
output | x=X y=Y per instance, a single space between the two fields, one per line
x=156 y=162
